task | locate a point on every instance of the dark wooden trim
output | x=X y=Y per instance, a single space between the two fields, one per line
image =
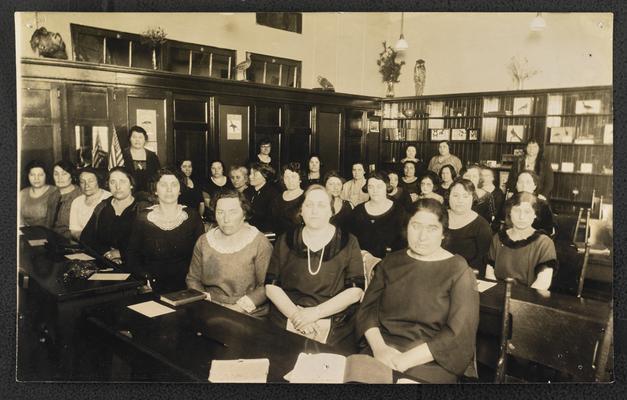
x=112 y=75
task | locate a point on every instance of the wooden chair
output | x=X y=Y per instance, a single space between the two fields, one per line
x=556 y=338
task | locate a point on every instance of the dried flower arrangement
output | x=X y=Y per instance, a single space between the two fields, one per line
x=154 y=37
x=388 y=67
x=520 y=71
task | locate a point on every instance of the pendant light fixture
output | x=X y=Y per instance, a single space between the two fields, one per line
x=402 y=44
x=538 y=23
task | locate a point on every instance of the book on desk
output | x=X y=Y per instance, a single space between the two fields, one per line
x=183 y=297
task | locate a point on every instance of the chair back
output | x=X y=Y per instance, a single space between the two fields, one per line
x=555 y=337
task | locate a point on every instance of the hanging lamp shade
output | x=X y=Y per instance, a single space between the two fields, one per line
x=537 y=23
x=402 y=44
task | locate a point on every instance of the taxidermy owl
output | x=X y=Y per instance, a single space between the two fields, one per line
x=325 y=84
x=420 y=75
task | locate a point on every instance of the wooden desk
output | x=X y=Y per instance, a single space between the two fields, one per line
x=49 y=307
x=187 y=340
x=492 y=308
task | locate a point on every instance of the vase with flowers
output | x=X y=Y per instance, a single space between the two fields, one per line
x=154 y=37
x=520 y=71
x=389 y=68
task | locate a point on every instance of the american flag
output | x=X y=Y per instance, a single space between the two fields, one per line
x=115 y=152
x=98 y=154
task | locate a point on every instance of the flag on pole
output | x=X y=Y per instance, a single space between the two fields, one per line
x=115 y=152
x=98 y=155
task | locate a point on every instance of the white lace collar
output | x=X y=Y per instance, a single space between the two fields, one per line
x=167 y=225
x=231 y=244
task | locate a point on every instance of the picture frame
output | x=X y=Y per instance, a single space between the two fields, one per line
x=519 y=152
x=374 y=126
x=458 y=134
x=588 y=107
x=438 y=135
x=473 y=134
x=515 y=134
x=608 y=134
x=585 y=168
x=522 y=105
x=555 y=166
x=562 y=134
x=568 y=167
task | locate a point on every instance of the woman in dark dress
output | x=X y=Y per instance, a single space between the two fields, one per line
x=286 y=206
x=378 y=223
x=163 y=236
x=64 y=174
x=191 y=194
x=333 y=183
x=315 y=274
x=487 y=183
x=141 y=162
x=313 y=174
x=420 y=313
x=428 y=185
x=217 y=180
x=484 y=202
x=409 y=181
x=533 y=160
x=109 y=228
x=522 y=252
x=447 y=175
x=397 y=193
x=261 y=194
x=469 y=234
x=528 y=182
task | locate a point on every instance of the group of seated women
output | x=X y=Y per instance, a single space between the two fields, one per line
x=417 y=311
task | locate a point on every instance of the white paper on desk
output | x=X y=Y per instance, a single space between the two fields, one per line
x=37 y=242
x=405 y=380
x=320 y=335
x=318 y=368
x=108 y=277
x=482 y=286
x=151 y=309
x=79 y=256
x=239 y=371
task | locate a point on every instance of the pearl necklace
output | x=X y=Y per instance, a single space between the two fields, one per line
x=309 y=262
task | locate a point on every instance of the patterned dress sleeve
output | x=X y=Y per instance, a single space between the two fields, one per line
x=262 y=259
x=194 y=275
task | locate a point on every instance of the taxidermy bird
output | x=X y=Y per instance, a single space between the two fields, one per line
x=243 y=66
x=420 y=75
x=325 y=84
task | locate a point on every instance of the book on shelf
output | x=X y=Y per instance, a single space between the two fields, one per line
x=239 y=371
x=335 y=368
x=183 y=297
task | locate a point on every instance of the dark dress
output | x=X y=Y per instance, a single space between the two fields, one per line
x=105 y=230
x=163 y=256
x=402 y=197
x=542 y=169
x=378 y=233
x=523 y=259
x=471 y=242
x=286 y=214
x=410 y=188
x=191 y=197
x=414 y=302
x=315 y=181
x=445 y=193
x=342 y=215
x=499 y=200
x=142 y=171
x=341 y=268
x=485 y=207
x=261 y=202
x=211 y=188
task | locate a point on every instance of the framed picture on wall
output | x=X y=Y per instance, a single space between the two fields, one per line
x=437 y=135
x=522 y=105
x=563 y=134
x=608 y=134
x=588 y=107
x=458 y=134
x=473 y=134
x=373 y=125
x=515 y=134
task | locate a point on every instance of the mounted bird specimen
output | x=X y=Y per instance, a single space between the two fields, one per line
x=420 y=76
x=240 y=69
x=325 y=84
